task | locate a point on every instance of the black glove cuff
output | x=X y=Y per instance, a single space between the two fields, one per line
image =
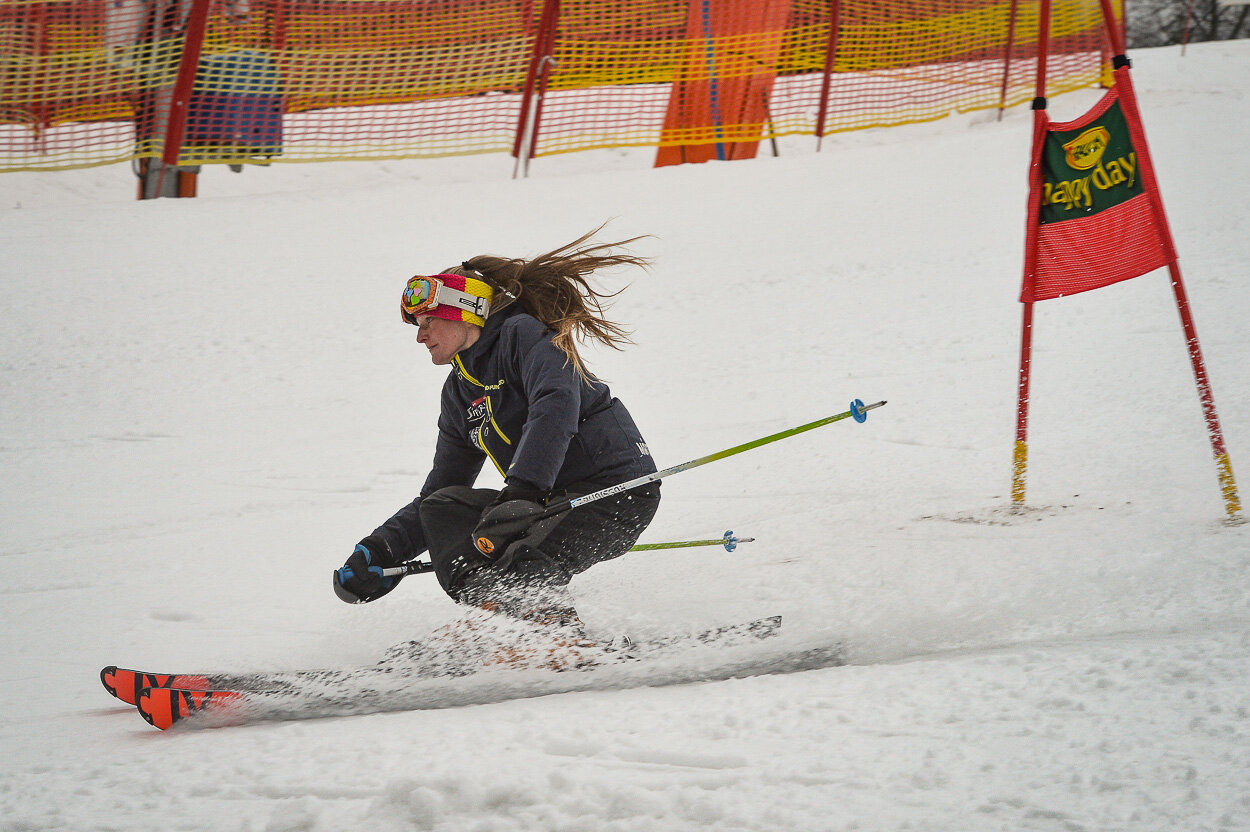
x=518 y=489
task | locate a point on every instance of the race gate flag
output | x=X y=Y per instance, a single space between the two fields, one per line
x=1095 y=217
x=1098 y=220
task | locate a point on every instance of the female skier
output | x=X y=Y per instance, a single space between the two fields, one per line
x=519 y=395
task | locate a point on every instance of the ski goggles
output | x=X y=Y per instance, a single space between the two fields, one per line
x=450 y=296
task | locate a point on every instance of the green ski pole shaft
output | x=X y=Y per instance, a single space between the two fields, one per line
x=728 y=541
x=858 y=412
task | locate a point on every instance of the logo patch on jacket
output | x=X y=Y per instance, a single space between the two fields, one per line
x=477 y=410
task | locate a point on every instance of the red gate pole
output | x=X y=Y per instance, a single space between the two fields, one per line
x=1021 y=455
x=1128 y=100
x=831 y=49
x=1223 y=463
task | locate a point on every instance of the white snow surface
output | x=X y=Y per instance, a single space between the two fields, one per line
x=207 y=402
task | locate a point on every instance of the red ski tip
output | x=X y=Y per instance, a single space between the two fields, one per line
x=157 y=707
x=126 y=685
x=108 y=678
x=165 y=707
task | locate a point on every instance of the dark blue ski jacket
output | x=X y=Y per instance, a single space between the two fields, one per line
x=514 y=398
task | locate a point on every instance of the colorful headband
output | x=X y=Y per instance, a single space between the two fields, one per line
x=450 y=296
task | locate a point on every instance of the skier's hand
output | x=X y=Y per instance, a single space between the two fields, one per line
x=361 y=577
x=504 y=523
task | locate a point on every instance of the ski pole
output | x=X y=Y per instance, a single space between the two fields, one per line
x=729 y=541
x=858 y=411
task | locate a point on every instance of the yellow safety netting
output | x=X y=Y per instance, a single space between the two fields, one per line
x=91 y=82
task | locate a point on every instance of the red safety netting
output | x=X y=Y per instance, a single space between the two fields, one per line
x=89 y=82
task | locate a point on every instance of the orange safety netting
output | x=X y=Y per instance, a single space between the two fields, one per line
x=90 y=82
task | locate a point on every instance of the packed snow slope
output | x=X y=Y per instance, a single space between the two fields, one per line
x=207 y=402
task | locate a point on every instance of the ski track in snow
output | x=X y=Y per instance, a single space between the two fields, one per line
x=207 y=402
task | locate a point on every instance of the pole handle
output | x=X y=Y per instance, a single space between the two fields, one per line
x=411 y=567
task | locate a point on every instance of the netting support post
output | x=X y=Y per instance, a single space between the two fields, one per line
x=39 y=24
x=1189 y=17
x=536 y=78
x=1011 y=40
x=163 y=177
x=831 y=51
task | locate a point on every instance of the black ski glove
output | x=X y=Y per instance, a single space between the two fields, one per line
x=509 y=521
x=360 y=579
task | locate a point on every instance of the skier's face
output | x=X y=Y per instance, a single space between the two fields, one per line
x=444 y=338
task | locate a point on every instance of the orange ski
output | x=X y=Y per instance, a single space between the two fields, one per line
x=126 y=685
x=164 y=707
x=416 y=676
